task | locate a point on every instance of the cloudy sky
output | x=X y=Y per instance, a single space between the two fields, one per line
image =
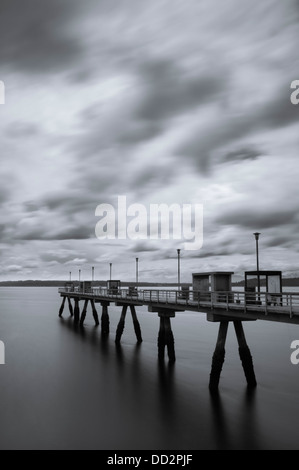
x=162 y=101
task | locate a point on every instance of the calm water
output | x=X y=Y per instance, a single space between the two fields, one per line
x=63 y=388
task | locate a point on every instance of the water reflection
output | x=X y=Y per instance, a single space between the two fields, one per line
x=229 y=434
x=159 y=396
x=166 y=391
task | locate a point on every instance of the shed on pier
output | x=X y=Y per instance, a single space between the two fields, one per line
x=272 y=280
x=113 y=286
x=213 y=282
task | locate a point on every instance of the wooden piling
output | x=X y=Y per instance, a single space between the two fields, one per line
x=105 y=322
x=136 y=324
x=76 y=311
x=121 y=324
x=169 y=339
x=70 y=307
x=165 y=338
x=245 y=355
x=62 y=306
x=94 y=312
x=84 y=311
x=218 y=356
x=161 y=339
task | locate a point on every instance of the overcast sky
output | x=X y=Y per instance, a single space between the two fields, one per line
x=172 y=101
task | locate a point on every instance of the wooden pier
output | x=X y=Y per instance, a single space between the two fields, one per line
x=224 y=307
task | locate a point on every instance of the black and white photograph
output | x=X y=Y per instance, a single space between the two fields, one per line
x=149 y=231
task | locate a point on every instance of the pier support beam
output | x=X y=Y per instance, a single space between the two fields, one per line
x=76 y=311
x=218 y=356
x=62 y=307
x=94 y=312
x=105 y=322
x=136 y=324
x=70 y=307
x=84 y=311
x=121 y=324
x=245 y=355
x=165 y=337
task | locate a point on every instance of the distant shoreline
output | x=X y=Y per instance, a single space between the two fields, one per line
x=286 y=282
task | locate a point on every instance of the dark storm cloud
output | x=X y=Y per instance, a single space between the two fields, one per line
x=241 y=154
x=56 y=256
x=170 y=90
x=31 y=206
x=143 y=247
x=257 y=217
x=35 y=35
x=279 y=112
x=281 y=240
x=163 y=91
x=69 y=202
x=75 y=232
x=4 y=194
x=20 y=130
x=200 y=146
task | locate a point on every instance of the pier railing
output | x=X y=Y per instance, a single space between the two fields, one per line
x=284 y=302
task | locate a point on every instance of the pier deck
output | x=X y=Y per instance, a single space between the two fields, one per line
x=283 y=307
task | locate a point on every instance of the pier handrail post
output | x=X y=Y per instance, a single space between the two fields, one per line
x=291 y=306
x=266 y=304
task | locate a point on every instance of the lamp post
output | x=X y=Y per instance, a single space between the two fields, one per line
x=179 y=269
x=70 y=276
x=110 y=270
x=79 y=275
x=92 y=273
x=136 y=271
x=257 y=234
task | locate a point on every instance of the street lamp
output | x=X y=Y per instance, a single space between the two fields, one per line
x=79 y=274
x=136 y=270
x=70 y=276
x=257 y=234
x=179 y=269
x=92 y=273
x=110 y=270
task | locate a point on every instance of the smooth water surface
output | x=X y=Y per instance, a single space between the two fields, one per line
x=68 y=388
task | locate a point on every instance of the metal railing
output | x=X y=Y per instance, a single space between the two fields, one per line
x=284 y=302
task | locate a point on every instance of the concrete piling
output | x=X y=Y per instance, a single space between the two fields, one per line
x=136 y=324
x=218 y=356
x=62 y=306
x=121 y=324
x=245 y=355
x=84 y=311
x=165 y=338
x=76 y=311
x=105 y=322
x=70 y=307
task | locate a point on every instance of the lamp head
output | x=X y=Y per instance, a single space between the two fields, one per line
x=256 y=234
